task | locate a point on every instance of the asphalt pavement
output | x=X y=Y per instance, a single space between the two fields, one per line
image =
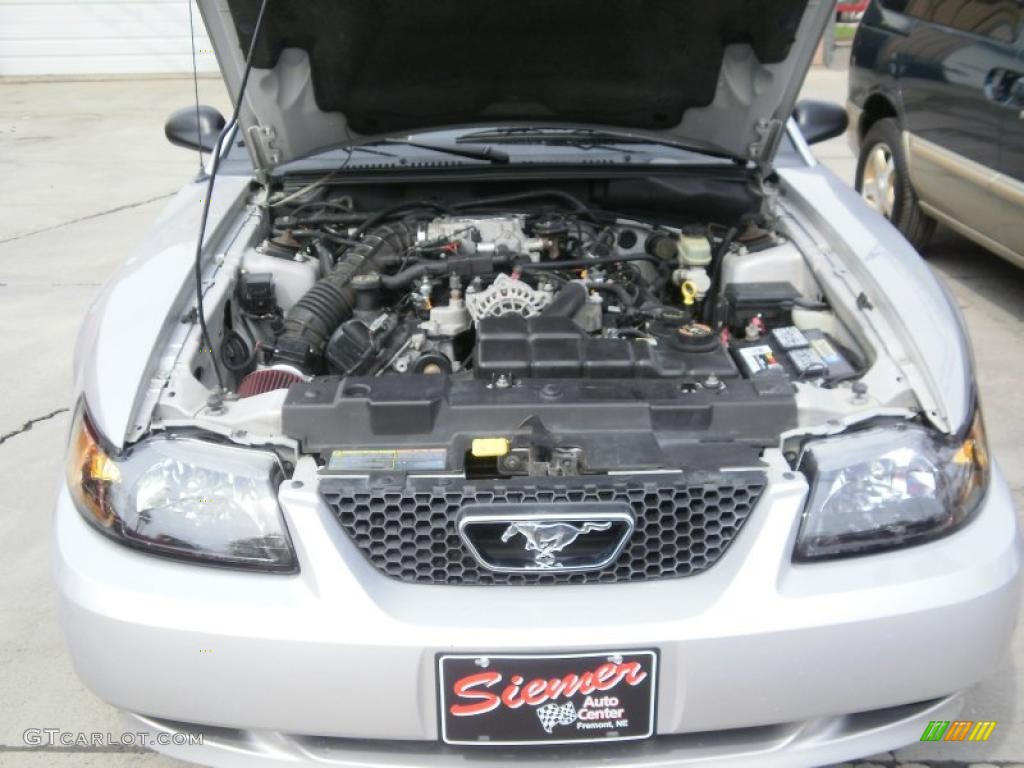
x=85 y=171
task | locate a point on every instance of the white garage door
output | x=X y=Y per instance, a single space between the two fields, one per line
x=82 y=37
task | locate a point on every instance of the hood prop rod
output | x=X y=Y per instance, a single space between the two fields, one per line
x=217 y=398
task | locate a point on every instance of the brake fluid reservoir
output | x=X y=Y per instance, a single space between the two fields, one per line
x=694 y=260
x=694 y=251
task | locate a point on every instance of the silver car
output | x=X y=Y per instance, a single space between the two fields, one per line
x=514 y=386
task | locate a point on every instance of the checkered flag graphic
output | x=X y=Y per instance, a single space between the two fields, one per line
x=551 y=715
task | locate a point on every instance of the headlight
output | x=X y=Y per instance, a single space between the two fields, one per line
x=185 y=498
x=889 y=487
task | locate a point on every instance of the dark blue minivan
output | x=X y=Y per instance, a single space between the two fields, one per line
x=937 y=118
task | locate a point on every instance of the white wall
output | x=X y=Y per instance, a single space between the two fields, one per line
x=81 y=37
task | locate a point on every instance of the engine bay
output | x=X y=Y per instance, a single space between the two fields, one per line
x=504 y=297
x=531 y=332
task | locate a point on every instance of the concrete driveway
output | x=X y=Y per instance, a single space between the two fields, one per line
x=85 y=170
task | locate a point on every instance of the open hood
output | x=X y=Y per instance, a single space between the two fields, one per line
x=722 y=74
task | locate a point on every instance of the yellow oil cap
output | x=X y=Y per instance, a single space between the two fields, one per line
x=689 y=291
x=489 y=447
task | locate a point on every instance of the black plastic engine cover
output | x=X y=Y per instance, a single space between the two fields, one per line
x=556 y=348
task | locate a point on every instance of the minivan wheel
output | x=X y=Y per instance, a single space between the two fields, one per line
x=883 y=181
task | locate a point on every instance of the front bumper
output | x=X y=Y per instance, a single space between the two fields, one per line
x=814 y=742
x=340 y=651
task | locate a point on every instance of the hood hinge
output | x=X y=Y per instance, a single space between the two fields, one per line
x=768 y=192
x=261 y=138
x=761 y=152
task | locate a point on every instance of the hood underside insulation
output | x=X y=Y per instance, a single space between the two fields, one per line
x=398 y=65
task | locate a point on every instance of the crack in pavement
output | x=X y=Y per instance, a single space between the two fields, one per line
x=29 y=424
x=125 y=207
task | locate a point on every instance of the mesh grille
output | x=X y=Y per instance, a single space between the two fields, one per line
x=684 y=524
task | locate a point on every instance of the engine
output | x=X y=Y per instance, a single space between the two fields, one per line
x=505 y=297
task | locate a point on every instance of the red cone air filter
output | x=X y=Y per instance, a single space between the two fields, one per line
x=258 y=382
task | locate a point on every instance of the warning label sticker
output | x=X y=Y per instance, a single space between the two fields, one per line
x=389 y=460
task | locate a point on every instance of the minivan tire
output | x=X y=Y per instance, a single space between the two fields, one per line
x=884 y=138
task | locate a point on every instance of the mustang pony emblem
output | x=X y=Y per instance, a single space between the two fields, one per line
x=548 y=539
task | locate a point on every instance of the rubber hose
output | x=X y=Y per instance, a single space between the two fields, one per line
x=711 y=297
x=621 y=294
x=567 y=302
x=325 y=256
x=462 y=266
x=330 y=302
x=401 y=279
x=584 y=263
x=539 y=194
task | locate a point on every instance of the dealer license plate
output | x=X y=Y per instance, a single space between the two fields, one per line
x=505 y=699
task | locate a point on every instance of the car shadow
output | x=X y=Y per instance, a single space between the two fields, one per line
x=994 y=279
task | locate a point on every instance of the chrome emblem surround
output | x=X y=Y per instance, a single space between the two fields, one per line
x=546 y=531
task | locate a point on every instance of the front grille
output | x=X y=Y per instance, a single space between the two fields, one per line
x=684 y=523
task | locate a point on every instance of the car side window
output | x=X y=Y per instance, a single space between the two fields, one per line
x=999 y=20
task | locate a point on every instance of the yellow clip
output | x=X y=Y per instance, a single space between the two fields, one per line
x=490 y=447
x=689 y=291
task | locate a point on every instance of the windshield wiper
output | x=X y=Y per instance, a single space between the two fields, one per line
x=521 y=135
x=583 y=138
x=487 y=154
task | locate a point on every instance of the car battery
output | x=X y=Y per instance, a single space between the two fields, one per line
x=790 y=351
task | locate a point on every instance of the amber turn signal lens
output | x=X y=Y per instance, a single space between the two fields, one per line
x=92 y=473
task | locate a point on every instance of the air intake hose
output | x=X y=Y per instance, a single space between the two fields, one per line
x=313 y=318
x=568 y=301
